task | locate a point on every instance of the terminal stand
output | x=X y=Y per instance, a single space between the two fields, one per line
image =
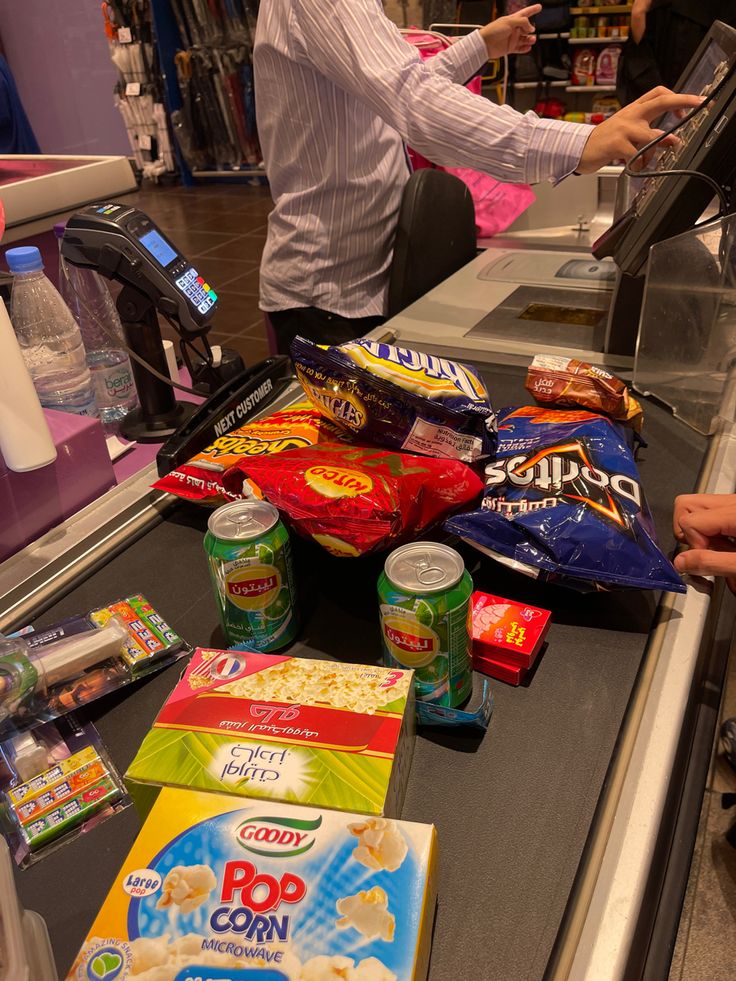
x=159 y=414
x=624 y=313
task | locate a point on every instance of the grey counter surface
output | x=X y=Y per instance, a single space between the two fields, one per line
x=512 y=809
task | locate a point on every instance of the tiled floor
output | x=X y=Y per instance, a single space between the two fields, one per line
x=222 y=231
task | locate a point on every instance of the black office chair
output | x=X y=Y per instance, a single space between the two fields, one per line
x=435 y=237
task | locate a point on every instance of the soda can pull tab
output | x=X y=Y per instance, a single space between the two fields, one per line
x=427 y=574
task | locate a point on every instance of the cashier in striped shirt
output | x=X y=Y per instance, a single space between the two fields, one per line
x=339 y=93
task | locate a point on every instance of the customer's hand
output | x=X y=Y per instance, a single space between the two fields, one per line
x=639 y=12
x=514 y=34
x=707 y=524
x=620 y=136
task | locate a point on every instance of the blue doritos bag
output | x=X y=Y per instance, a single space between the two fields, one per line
x=563 y=503
x=405 y=400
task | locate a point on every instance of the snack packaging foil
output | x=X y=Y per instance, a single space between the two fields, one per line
x=355 y=499
x=405 y=400
x=556 y=380
x=564 y=502
x=200 y=479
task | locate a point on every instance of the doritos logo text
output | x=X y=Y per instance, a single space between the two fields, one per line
x=566 y=470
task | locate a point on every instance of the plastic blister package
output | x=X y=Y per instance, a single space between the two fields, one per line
x=47 y=672
x=55 y=783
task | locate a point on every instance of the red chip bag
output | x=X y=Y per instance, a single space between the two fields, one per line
x=200 y=479
x=356 y=499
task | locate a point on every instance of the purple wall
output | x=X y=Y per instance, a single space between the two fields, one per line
x=59 y=56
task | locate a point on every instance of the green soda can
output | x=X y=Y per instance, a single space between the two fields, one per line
x=249 y=556
x=424 y=594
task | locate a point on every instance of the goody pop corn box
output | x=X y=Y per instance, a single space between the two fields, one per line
x=282 y=728
x=218 y=888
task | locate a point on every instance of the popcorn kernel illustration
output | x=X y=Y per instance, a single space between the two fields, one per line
x=187 y=886
x=380 y=844
x=367 y=912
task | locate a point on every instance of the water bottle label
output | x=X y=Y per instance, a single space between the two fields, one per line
x=113 y=384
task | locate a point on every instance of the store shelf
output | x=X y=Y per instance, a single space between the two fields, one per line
x=590 y=88
x=623 y=8
x=541 y=84
x=552 y=37
x=597 y=40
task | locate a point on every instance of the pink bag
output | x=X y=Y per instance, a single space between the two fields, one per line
x=497 y=205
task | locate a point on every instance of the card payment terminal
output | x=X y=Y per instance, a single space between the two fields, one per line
x=124 y=244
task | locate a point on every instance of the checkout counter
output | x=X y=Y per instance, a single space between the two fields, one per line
x=565 y=833
x=39 y=189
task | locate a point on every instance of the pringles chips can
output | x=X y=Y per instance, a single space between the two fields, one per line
x=250 y=564
x=424 y=594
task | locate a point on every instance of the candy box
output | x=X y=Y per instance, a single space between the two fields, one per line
x=55 y=782
x=501 y=670
x=280 y=728
x=506 y=631
x=216 y=887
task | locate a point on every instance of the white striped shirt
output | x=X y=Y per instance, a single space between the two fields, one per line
x=338 y=91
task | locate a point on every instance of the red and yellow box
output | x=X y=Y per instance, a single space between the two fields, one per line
x=295 y=730
x=507 y=636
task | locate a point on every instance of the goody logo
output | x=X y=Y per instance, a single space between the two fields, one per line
x=277 y=836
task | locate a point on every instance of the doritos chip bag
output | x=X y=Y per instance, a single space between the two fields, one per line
x=201 y=478
x=554 y=380
x=405 y=400
x=563 y=502
x=356 y=499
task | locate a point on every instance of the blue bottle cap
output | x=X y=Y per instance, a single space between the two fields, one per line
x=27 y=258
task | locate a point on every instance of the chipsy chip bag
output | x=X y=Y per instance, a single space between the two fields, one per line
x=405 y=400
x=201 y=478
x=355 y=499
x=561 y=381
x=563 y=502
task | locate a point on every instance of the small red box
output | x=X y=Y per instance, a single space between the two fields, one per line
x=512 y=674
x=506 y=631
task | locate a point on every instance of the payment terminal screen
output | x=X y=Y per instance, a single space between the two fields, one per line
x=158 y=247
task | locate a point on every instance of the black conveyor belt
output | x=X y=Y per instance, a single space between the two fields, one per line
x=512 y=810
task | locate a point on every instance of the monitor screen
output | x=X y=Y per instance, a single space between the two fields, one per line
x=159 y=248
x=666 y=204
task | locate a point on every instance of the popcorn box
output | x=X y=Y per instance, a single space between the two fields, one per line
x=506 y=631
x=219 y=888
x=281 y=728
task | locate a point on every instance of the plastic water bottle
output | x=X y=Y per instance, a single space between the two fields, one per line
x=49 y=337
x=25 y=440
x=87 y=296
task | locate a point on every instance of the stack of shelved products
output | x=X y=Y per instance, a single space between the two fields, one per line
x=216 y=126
x=138 y=94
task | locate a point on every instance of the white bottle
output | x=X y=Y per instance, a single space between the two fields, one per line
x=49 y=337
x=25 y=440
x=85 y=293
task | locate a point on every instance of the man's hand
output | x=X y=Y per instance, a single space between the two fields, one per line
x=628 y=130
x=514 y=34
x=639 y=12
x=707 y=523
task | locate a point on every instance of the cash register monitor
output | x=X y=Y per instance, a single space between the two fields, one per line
x=668 y=205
